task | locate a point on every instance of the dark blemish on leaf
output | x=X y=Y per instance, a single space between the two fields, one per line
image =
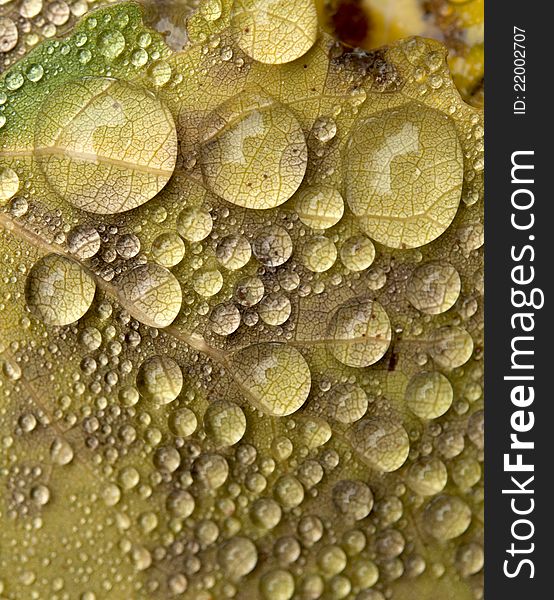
x=373 y=65
x=350 y=22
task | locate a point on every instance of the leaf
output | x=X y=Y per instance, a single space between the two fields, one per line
x=234 y=348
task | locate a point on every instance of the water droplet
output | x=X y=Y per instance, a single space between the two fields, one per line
x=141 y=558
x=346 y=402
x=34 y=73
x=40 y=494
x=139 y=57
x=359 y=333
x=167 y=459
x=83 y=241
x=254 y=153
x=382 y=442
x=249 y=291
x=160 y=73
x=194 y=224
x=8 y=34
x=266 y=513
x=427 y=476
x=225 y=319
x=319 y=207
x=144 y=40
x=81 y=39
x=183 y=422
x=275 y=33
x=434 y=287
x=225 y=423
x=177 y=584
x=237 y=557
x=353 y=498
x=111 y=44
x=429 y=395
x=61 y=452
x=168 y=249
x=57 y=12
x=207 y=283
x=30 y=8
x=180 y=504
x=324 y=129
x=212 y=470
x=160 y=379
x=14 y=80
x=288 y=491
x=129 y=478
x=319 y=254
x=127 y=245
x=58 y=291
x=151 y=294
x=446 y=517
x=275 y=309
x=111 y=494
x=331 y=560
x=233 y=252
x=106 y=146
x=272 y=246
x=274 y=377
x=9 y=184
x=404 y=173
x=451 y=346
x=85 y=56
x=357 y=253
x=277 y=585
x=470 y=559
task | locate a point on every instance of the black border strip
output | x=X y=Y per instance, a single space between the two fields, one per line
x=506 y=133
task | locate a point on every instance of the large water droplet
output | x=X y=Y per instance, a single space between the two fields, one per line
x=58 y=290
x=83 y=241
x=225 y=423
x=382 y=442
x=319 y=254
x=160 y=379
x=277 y=31
x=275 y=309
x=233 y=252
x=450 y=346
x=272 y=246
x=346 y=402
x=111 y=44
x=357 y=253
x=168 y=249
x=151 y=294
x=9 y=184
x=8 y=34
x=446 y=517
x=274 y=377
x=194 y=224
x=104 y=145
x=359 y=333
x=404 y=172
x=225 y=319
x=427 y=476
x=237 y=557
x=353 y=498
x=277 y=585
x=429 y=395
x=434 y=287
x=319 y=207
x=254 y=152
